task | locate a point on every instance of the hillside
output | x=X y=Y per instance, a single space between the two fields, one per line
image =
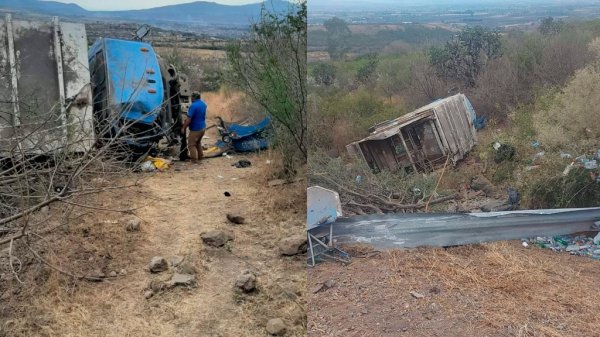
x=198 y=13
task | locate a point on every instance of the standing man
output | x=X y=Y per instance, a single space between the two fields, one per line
x=196 y=121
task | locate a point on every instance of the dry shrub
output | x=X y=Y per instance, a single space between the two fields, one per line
x=573 y=122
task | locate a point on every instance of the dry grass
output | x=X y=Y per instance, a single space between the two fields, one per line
x=498 y=289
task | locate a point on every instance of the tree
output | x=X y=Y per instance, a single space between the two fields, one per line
x=463 y=57
x=549 y=26
x=338 y=37
x=367 y=72
x=393 y=75
x=270 y=66
x=324 y=74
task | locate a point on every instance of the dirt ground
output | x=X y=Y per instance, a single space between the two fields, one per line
x=175 y=207
x=496 y=289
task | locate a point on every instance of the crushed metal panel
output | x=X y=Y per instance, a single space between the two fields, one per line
x=78 y=90
x=323 y=206
x=38 y=51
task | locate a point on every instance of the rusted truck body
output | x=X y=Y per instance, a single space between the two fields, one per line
x=45 y=92
x=420 y=140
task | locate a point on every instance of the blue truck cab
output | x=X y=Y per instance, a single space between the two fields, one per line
x=128 y=93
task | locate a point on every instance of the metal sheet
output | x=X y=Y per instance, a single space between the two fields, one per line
x=414 y=230
x=323 y=206
x=37 y=56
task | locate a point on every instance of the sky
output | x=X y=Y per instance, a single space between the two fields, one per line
x=141 y=4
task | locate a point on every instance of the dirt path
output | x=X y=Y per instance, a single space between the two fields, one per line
x=182 y=203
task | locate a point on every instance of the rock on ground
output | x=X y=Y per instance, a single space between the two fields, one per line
x=276 y=327
x=158 y=264
x=185 y=280
x=133 y=225
x=236 y=219
x=246 y=282
x=148 y=294
x=293 y=245
x=216 y=238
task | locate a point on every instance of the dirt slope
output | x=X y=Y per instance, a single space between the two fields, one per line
x=177 y=206
x=495 y=290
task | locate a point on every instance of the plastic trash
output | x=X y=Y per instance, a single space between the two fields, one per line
x=514 y=196
x=159 y=163
x=535 y=144
x=565 y=155
x=242 y=163
x=358 y=179
x=568 y=169
x=480 y=122
x=597 y=239
x=503 y=152
x=147 y=166
x=590 y=164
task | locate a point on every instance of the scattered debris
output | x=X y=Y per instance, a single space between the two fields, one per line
x=480 y=122
x=159 y=163
x=227 y=194
x=158 y=264
x=216 y=238
x=236 y=219
x=576 y=245
x=133 y=225
x=276 y=327
x=481 y=183
x=503 y=152
x=184 y=280
x=514 y=197
x=246 y=282
x=417 y=295
x=242 y=163
x=293 y=245
x=565 y=155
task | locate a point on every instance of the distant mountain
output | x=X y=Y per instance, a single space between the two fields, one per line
x=203 y=12
x=42 y=7
x=198 y=13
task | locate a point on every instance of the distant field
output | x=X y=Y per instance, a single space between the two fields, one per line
x=193 y=53
x=381 y=38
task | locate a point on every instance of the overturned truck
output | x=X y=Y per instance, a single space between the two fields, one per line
x=420 y=140
x=56 y=95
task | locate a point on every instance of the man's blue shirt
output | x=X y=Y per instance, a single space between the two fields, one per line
x=197 y=113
